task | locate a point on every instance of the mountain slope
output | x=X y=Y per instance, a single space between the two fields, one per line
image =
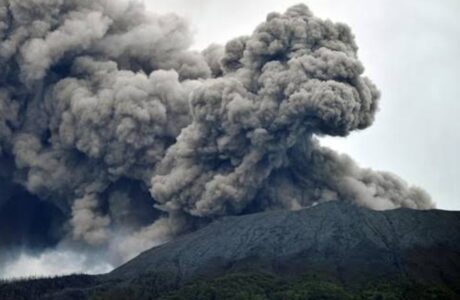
x=347 y=241
x=411 y=252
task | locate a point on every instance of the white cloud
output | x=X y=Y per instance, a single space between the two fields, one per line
x=53 y=263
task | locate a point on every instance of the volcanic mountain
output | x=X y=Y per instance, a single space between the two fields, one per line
x=340 y=238
x=352 y=249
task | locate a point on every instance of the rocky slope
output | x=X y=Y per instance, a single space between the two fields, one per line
x=353 y=245
x=344 y=240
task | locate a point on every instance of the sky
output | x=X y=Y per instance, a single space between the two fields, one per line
x=410 y=50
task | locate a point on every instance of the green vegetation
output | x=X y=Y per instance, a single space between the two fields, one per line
x=149 y=286
x=25 y=289
x=270 y=287
x=267 y=287
x=258 y=287
x=235 y=286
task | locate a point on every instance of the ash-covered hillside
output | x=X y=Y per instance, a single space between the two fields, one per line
x=350 y=242
x=341 y=245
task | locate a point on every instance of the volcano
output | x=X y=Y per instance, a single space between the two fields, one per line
x=337 y=242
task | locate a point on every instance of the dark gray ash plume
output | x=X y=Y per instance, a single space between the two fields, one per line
x=108 y=120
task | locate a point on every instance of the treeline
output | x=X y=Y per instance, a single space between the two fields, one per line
x=38 y=288
x=235 y=286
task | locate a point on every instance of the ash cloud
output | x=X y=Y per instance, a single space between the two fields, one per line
x=131 y=138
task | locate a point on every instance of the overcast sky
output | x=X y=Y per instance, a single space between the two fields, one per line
x=410 y=50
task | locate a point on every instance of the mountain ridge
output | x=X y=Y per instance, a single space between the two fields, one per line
x=318 y=232
x=351 y=246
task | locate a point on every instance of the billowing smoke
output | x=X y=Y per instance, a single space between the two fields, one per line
x=115 y=136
